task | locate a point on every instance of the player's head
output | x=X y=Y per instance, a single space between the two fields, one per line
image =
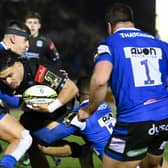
x=83 y=85
x=119 y=13
x=16 y=37
x=33 y=21
x=11 y=69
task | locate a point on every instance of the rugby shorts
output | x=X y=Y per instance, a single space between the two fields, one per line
x=132 y=141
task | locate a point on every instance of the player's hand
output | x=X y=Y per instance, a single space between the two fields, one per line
x=83 y=114
x=64 y=72
x=38 y=107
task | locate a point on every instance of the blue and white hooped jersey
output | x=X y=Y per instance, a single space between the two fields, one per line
x=139 y=75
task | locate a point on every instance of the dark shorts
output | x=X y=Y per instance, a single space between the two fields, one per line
x=33 y=121
x=131 y=141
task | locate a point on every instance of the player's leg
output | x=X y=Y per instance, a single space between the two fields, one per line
x=86 y=156
x=109 y=163
x=125 y=148
x=18 y=138
x=154 y=157
x=152 y=161
x=37 y=158
x=165 y=164
x=65 y=149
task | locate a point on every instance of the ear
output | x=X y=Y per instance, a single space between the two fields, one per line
x=39 y=25
x=109 y=28
x=12 y=38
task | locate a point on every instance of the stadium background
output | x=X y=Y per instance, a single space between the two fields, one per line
x=75 y=25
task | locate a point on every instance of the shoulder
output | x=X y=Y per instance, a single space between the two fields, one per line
x=44 y=38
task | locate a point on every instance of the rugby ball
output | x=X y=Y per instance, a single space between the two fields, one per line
x=39 y=94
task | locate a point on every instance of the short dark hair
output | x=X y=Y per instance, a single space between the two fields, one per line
x=119 y=13
x=33 y=14
x=7 y=59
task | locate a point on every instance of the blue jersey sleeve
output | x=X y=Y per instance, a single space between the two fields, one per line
x=10 y=99
x=103 y=53
x=49 y=136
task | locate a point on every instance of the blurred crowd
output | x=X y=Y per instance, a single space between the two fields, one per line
x=67 y=24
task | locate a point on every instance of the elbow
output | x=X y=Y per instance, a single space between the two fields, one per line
x=100 y=81
x=74 y=88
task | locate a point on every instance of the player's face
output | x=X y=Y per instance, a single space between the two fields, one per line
x=34 y=25
x=13 y=75
x=21 y=44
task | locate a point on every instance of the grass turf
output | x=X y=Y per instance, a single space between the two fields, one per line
x=66 y=162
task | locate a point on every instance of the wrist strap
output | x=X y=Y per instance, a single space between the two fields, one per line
x=54 y=105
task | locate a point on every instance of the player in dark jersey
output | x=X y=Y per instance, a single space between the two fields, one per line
x=19 y=75
x=16 y=39
x=136 y=66
x=41 y=47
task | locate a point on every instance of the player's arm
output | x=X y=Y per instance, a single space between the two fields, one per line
x=10 y=100
x=62 y=150
x=53 y=54
x=67 y=93
x=65 y=88
x=98 y=88
x=98 y=85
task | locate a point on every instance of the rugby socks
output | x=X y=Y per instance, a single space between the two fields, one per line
x=8 y=161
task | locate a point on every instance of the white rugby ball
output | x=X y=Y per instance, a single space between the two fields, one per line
x=39 y=94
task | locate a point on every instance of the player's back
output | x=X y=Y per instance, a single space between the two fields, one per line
x=140 y=70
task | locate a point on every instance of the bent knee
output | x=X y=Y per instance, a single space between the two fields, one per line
x=26 y=138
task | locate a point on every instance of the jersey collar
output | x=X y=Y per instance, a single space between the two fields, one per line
x=127 y=28
x=4 y=45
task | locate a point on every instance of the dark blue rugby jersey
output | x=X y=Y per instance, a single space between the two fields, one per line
x=140 y=69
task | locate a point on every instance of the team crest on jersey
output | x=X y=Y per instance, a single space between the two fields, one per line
x=39 y=43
